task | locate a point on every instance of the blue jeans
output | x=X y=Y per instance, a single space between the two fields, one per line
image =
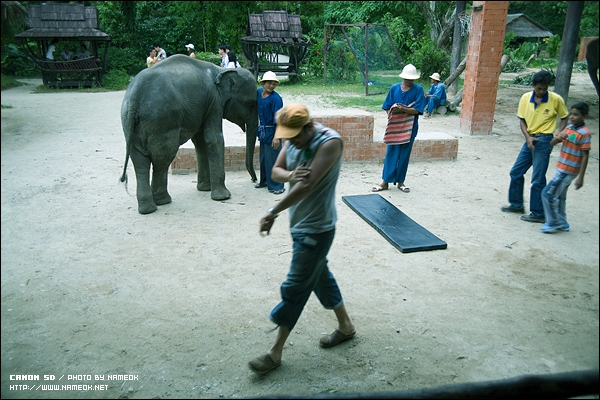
x=554 y=198
x=308 y=273
x=539 y=158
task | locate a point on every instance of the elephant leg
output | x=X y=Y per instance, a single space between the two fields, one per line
x=210 y=152
x=591 y=56
x=203 y=184
x=216 y=164
x=159 y=184
x=162 y=156
x=141 y=164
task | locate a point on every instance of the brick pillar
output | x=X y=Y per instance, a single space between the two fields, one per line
x=482 y=71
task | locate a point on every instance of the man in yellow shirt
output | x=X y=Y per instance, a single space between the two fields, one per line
x=538 y=113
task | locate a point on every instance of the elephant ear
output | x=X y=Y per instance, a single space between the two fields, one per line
x=226 y=85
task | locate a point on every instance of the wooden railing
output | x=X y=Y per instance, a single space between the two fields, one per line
x=84 y=71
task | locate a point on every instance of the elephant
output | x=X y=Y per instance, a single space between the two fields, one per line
x=591 y=56
x=178 y=99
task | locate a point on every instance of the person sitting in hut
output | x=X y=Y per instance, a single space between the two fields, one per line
x=83 y=52
x=67 y=54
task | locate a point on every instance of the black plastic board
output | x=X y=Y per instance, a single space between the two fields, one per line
x=399 y=229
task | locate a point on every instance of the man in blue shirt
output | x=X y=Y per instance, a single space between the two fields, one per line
x=436 y=96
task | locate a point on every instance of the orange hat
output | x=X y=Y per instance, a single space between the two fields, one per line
x=290 y=121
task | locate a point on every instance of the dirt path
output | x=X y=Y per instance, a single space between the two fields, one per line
x=179 y=299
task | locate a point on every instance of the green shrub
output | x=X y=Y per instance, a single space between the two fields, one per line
x=17 y=63
x=544 y=63
x=428 y=60
x=124 y=59
x=514 y=66
x=210 y=57
x=525 y=51
x=341 y=64
x=528 y=78
x=312 y=67
x=553 y=45
x=116 y=79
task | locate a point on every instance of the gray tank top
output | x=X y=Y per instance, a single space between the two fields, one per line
x=315 y=213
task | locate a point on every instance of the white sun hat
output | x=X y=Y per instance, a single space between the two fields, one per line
x=190 y=46
x=436 y=76
x=269 y=76
x=409 y=72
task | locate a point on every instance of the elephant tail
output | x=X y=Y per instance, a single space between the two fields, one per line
x=129 y=124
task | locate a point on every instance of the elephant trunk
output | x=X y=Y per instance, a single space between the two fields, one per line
x=251 y=127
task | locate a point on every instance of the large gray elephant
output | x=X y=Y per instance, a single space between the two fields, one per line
x=178 y=99
x=591 y=56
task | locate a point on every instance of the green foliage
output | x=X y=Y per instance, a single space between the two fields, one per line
x=17 y=63
x=553 y=45
x=341 y=65
x=210 y=57
x=528 y=78
x=508 y=42
x=525 y=51
x=544 y=63
x=313 y=65
x=125 y=59
x=9 y=81
x=116 y=79
x=428 y=60
x=514 y=66
x=403 y=34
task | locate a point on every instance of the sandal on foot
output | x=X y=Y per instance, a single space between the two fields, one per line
x=378 y=188
x=404 y=188
x=280 y=191
x=263 y=364
x=260 y=185
x=335 y=338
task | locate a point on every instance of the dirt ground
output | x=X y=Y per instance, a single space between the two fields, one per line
x=178 y=300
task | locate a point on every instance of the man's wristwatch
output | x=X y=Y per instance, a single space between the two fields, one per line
x=272 y=212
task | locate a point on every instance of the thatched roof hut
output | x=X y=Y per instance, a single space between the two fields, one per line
x=525 y=27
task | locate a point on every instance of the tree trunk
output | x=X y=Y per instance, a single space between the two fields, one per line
x=452 y=78
x=456 y=46
x=458 y=96
x=567 y=48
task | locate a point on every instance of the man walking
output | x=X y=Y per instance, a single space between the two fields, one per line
x=310 y=161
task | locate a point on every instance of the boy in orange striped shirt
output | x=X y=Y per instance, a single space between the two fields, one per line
x=571 y=165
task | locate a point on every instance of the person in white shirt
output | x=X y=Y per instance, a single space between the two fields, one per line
x=161 y=54
x=224 y=57
x=51 y=49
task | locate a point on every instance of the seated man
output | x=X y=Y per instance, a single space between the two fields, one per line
x=66 y=53
x=83 y=52
x=436 y=96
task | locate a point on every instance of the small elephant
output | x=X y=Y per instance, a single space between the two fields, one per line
x=178 y=99
x=591 y=56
